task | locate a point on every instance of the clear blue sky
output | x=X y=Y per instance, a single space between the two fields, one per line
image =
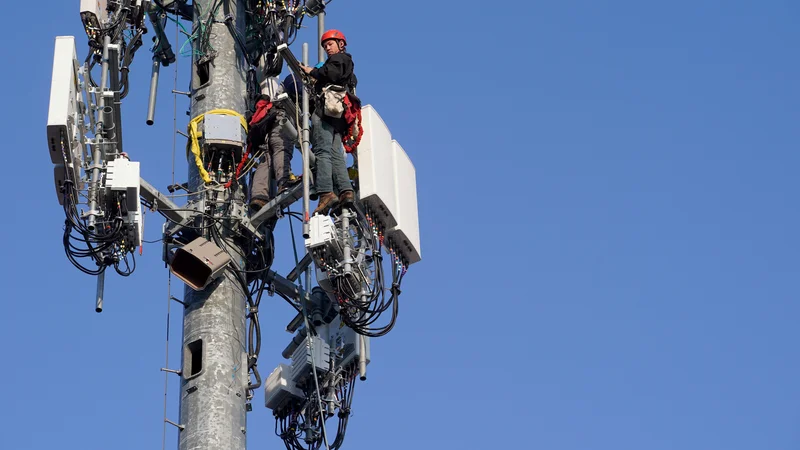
x=608 y=203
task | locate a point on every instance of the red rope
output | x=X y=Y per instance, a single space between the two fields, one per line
x=239 y=167
x=353 y=115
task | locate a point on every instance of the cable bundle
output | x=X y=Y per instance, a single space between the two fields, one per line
x=105 y=244
x=300 y=427
x=128 y=45
x=362 y=312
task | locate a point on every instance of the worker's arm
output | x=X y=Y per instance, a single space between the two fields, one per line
x=334 y=71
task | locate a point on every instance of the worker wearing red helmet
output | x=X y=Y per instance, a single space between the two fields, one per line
x=332 y=182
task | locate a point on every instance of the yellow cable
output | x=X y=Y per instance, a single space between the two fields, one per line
x=195 y=135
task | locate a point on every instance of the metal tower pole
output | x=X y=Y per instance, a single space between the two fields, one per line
x=320 y=32
x=213 y=401
x=306 y=144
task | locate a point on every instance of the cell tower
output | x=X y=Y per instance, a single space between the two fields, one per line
x=222 y=250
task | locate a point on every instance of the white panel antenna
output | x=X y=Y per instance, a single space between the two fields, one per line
x=405 y=236
x=64 y=96
x=375 y=168
x=64 y=115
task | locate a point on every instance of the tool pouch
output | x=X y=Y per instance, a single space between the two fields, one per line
x=333 y=97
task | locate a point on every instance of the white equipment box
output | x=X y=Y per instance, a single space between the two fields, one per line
x=123 y=176
x=221 y=129
x=375 y=168
x=406 y=234
x=305 y=359
x=323 y=241
x=279 y=390
x=95 y=7
x=93 y=14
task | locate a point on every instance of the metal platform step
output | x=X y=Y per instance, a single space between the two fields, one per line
x=283 y=200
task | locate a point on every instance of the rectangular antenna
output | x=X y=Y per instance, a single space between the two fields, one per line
x=64 y=117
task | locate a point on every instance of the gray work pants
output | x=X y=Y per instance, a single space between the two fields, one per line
x=330 y=173
x=276 y=162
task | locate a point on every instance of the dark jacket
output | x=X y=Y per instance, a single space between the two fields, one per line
x=338 y=70
x=257 y=135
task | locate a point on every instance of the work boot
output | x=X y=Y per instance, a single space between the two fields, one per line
x=326 y=201
x=257 y=203
x=291 y=180
x=346 y=198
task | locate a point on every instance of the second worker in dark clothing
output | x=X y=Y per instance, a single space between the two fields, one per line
x=330 y=176
x=267 y=135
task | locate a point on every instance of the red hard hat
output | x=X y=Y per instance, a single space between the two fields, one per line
x=333 y=34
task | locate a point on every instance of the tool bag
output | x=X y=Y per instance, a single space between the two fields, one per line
x=333 y=100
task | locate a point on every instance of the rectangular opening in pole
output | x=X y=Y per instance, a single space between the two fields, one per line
x=201 y=75
x=193 y=359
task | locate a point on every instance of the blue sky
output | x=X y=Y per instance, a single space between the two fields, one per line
x=607 y=196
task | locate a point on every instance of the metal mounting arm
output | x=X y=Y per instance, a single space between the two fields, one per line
x=301 y=267
x=170 y=209
x=271 y=209
x=283 y=285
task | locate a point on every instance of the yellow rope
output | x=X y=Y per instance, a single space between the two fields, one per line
x=195 y=135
